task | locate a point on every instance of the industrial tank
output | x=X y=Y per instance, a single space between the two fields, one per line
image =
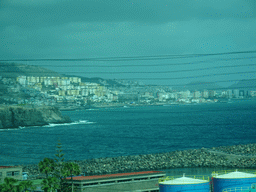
x=232 y=179
x=241 y=189
x=185 y=183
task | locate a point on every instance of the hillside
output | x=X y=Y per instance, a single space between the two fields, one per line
x=199 y=86
x=13 y=70
x=245 y=84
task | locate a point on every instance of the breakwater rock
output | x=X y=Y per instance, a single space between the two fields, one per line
x=244 y=150
x=176 y=159
x=16 y=116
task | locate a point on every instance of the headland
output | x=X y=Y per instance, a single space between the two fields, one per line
x=23 y=116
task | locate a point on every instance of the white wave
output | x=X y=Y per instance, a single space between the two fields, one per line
x=92 y=109
x=67 y=124
x=51 y=125
x=12 y=129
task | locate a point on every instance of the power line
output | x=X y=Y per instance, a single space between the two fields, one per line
x=189 y=77
x=146 y=65
x=153 y=57
x=175 y=71
x=132 y=65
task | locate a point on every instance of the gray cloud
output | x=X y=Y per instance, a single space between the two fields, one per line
x=30 y=14
x=96 y=28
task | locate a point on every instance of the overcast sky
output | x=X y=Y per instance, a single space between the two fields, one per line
x=73 y=29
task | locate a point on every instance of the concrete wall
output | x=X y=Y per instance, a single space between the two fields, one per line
x=13 y=172
x=125 y=184
x=129 y=186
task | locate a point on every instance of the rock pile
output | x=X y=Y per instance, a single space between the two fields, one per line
x=177 y=159
x=248 y=149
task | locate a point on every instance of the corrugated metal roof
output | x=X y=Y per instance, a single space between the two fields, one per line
x=114 y=175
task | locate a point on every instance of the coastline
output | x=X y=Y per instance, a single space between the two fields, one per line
x=20 y=116
x=238 y=156
x=116 y=105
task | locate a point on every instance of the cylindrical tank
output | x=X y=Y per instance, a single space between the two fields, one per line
x=232 y=179
x=237 y=189
x=187 y=184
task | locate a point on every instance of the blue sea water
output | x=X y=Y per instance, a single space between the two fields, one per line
x=110 y=132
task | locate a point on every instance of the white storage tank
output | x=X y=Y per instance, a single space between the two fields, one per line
x=185 y=183
x=232 y=179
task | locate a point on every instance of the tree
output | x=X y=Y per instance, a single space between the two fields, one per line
x=58 y=160
x=59 y=166
x=71 y=169
x=19 y=188
x=50 y=184
x=60 y=172
x=9 y=185
x=25 y=185
x=46 y=166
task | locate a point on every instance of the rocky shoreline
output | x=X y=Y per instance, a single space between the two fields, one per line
x=229 y=156
x=22 y=116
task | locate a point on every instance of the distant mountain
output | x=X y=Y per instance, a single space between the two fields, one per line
x=13 y=70
x=200 y=86
x=245 y=84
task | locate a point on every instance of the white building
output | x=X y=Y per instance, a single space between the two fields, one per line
x=22 y=80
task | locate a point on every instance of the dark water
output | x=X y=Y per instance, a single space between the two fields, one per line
x=113 y=132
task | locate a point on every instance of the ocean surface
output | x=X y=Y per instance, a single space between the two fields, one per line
x=110 y=132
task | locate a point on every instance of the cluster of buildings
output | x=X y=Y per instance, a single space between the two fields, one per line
x=67 y=90
x=146 y=181
x=39 y=90
x=206 y=95
x=149 y=181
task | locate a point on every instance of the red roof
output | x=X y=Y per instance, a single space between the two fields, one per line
x=3 y=167
x=113 y=175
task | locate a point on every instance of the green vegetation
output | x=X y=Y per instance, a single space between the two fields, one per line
x=56 y=170
x=50 y=184
x=59 y=171
x=13 y=185
x=8 y=185
x=25 y=185
x=70 y=169
x=46 y=166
